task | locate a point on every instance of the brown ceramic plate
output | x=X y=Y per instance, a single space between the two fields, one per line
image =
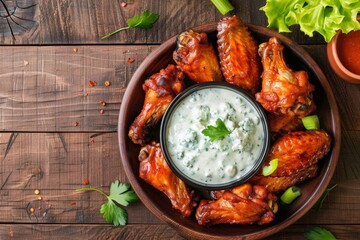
x=298 y=59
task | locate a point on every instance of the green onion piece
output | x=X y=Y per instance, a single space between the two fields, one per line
x=224 y=6
x=290 y=194
x=311 y=122
x=268 y=170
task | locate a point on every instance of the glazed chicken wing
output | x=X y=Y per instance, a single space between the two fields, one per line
x=278 y=184
x=196 y=57
x=155 y=171
x=297 y=154
x=239 y=60
x=160 y=89
x=283 y=90
x=245 y=204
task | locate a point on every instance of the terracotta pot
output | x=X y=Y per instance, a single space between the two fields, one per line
x=336 y=64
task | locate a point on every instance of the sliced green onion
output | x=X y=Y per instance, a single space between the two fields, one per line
x=224 y=6
x=290 y=194
x=268 y=170
x=311 y=122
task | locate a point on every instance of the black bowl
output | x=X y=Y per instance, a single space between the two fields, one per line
x=208 y=185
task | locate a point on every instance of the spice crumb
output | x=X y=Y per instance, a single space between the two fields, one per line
x=39 y=198
x=75 y=50
x=102 y=103
x=123 y=4
x=131 y=60
x=107 y=83
x=73 y=203
x=86 y=94
x=75 y=124
x=37 y=191
x=102 y=111
x=86 y=181
x=92 y=140
x=32 y=210
x=92 y=83
x=26 y=63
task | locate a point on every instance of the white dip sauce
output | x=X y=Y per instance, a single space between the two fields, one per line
x=219 y=161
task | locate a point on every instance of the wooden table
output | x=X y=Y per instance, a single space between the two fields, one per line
x=55 y=134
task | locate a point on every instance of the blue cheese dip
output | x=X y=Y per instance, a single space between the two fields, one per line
x=223 y=160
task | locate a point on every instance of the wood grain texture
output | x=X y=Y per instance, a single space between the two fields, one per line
x=47 y=89
x=43 y=161
x=151 y=231
x=85 y=21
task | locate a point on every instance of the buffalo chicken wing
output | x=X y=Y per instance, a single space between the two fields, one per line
x=160 y=89
x=297 y=154
x=196 y=57
x=239 y=61
x=155 y=171
x=245 y=204
x=283 y=90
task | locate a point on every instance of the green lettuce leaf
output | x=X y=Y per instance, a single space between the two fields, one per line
x=322 y=16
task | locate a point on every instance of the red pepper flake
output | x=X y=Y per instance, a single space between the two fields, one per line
x=102 y=111
x=75 y=124
x=72 y=203
x=102 y=103
x=123 y=4
x=92 y=83
x=131 y=60
x=86 y=181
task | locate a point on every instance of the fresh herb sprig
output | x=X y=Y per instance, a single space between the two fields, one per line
x=216 y=132
x=145 y=21
x=120 y=194
x=318 y=233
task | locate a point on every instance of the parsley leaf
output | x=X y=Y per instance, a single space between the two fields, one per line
x=319 y=203
x=113 y=214
x=145 y=21
x=120 y=194
x=216 y=132
x=318 y=233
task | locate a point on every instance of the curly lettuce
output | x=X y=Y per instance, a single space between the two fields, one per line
x=322 y=16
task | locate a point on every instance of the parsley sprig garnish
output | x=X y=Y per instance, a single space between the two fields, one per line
x=216 y=132
x=120 y=194
x=145 y=20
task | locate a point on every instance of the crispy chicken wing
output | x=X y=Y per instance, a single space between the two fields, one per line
x=196 y=57
x=239 y=61
x=245 y=204
x=155 y=171
x=297 y=154
x=278 y=184
x=160 y=89
x=283 y=90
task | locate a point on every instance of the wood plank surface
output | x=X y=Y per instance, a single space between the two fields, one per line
x=47 y=89
x=85 y=21
x=58 y=163
x=151 y=231
x=54 y=138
